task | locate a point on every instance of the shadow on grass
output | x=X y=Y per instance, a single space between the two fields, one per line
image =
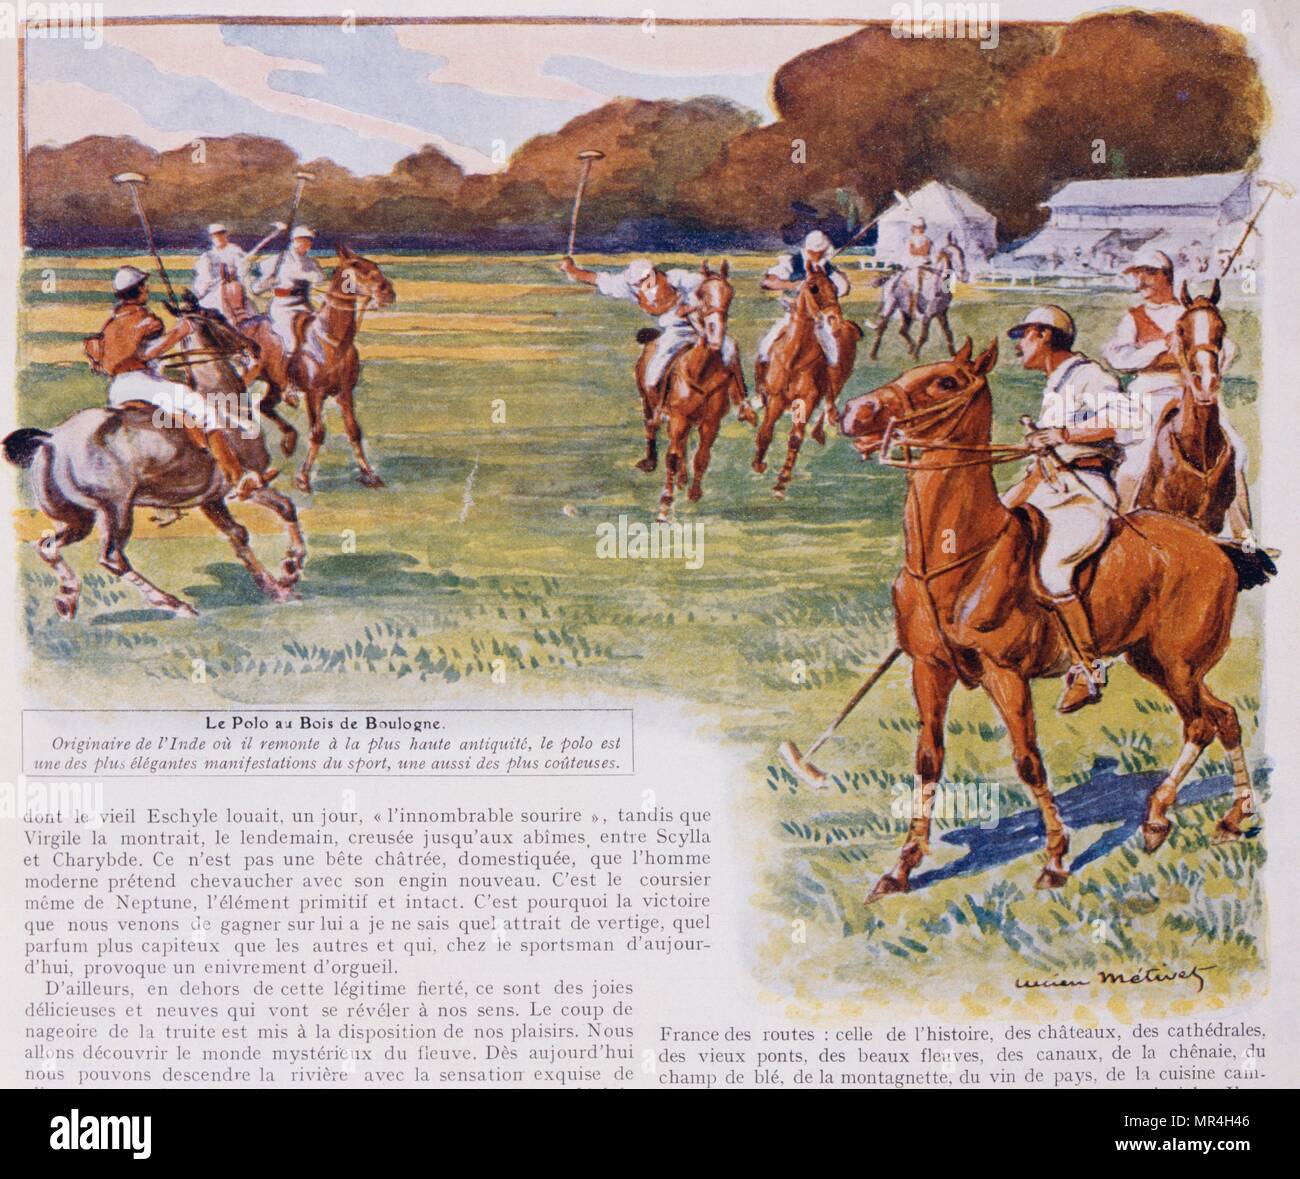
x=363 y=576
x=1105 y=798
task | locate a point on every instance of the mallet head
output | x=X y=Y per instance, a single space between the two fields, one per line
x=802 y=769
x=128 y=178
x=591 y=154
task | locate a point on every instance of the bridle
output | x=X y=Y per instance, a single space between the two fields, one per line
x=947 y=413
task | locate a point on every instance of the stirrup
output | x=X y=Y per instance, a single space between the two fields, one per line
x=1082 y=687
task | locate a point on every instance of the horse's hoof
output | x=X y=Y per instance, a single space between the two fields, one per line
x=647 y=465
x=1226 y=832
x=887 y=886
x=370 y=479
x=65 y=608
x=695 y=494
x=1154 y=834
x=778 y=492
x=1051 y=878
x=302 y=483
x=758 y=466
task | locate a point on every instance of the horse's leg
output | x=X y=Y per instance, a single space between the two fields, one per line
x=1011 y=697
x=932 y=685
x=772 y=412
x=296 y=556
x=369 y=476
x=74 y=526
x=800 y=408
x=880 y=325
x=316 y=420
x=115 y=527
x=650 y=418
x=1182 y=685
x=269 y=404
x=708 y=432
x=921 y=339
x=905 y=330
x=1227 y=726
x=946 y=328
x=237 y=534
x=679 y=427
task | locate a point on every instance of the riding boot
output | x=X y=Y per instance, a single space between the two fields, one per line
x=740 y=394
x=243 y=481
x=1084 y=680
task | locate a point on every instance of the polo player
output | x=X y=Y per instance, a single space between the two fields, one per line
x=1144 y=344
x=788 y=274
x=221 y=257
x=669 y=296
x=1080 y=435
x=289 y=277
x=128 y=349
x=916 y=260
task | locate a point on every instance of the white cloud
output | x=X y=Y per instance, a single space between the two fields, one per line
x=63 y=112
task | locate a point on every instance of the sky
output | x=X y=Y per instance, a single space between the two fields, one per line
x=368 y=96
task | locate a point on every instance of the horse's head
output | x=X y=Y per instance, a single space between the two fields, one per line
x=711 y=302
x=1200 y=333
x=356 y=275
x=818 y=298
x=926 y=402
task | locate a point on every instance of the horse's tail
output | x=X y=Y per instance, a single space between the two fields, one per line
x=648 y=335
x=22 y=445
x=1254 y=567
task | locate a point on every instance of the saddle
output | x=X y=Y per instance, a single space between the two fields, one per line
x=1013 y=558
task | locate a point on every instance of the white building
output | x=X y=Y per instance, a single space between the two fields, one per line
x=946 y=210
x=1096 y=226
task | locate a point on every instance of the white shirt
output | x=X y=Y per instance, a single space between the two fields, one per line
x=295 y=268
x=784 y=270
x=619 y=285
x=1081 y=395
x=1124 y=354
x=207 y=272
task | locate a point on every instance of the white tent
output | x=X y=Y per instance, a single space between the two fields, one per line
x=946 y=210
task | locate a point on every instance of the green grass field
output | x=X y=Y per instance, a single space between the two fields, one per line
x=483 y=548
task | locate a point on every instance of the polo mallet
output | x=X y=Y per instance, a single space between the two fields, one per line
x=1287 y=190
x=133 y=180
x=588 y=157
x=801 y=764
x=302 y=178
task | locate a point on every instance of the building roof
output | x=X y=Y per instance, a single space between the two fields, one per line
x=1209 y=191
x=936 y=201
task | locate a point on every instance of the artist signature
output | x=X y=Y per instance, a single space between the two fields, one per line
x=1147 y=974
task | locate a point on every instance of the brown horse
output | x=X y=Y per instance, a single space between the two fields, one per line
x=808 y=367
x=1161 y=593
x=326 y=363
x=697 y=388
x=1193 y=470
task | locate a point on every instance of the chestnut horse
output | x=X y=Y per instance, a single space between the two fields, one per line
x=697 y=388
x=1193 y=469
x=1161 y=593
x=809 y=365
x=326 y=363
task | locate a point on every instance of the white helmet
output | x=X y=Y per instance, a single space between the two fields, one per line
x=639 y=270
x=215 y=228
x=126 y=278
x=301 y=231
x=919 y=223
x=1150 y=259
x=817 y=243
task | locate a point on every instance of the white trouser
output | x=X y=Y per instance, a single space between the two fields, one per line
x=676 y=337
x=282 y=312
x=176 y=402
x=1137 y=454
x=1078 y=515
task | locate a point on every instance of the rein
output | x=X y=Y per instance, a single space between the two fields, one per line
x=947 y=412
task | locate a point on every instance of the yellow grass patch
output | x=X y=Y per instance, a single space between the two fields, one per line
x=431 y=321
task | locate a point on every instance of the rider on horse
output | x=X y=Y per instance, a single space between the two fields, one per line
x=290 y=276
x=1080 y=435
x=128 y=348
x=668 y=295
x=1143 y=344
x=209 y=272
x=788 y=274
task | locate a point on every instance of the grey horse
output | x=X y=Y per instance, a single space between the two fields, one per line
x=924 y=294
x=100 y=464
